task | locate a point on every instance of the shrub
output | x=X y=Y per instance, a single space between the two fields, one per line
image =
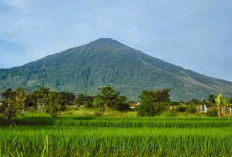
x=212 y=113
x=191 y=109
x=152 y=109
x=182 y=108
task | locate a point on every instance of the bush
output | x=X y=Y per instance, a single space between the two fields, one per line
x=146 y=110
x=88 y=104
x=150 y=109
x=182 y=108
x=212 y=113
x=191 y=109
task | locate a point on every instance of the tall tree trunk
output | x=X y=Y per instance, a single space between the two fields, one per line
x=224 y=111
x=219 y=111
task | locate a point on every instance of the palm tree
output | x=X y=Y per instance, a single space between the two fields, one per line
x=220 y=101
x=224 y=103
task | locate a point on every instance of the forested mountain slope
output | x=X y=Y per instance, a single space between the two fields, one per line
x=105 y=62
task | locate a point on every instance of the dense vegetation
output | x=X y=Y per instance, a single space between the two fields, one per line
x=106 y=62
x=152 y=103
x=49 y=123
x=51 y=102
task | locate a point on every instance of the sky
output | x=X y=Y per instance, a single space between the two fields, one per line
x=194 y=34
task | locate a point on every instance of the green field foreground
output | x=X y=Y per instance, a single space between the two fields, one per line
x=90 y=136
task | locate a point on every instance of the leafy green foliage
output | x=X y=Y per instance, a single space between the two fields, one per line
x=211 y=99
x=212 y=113
x=153 y=102
x=191 y=109
x=230 y=100
x=9 y=108
x=42 y=99
x=68 y=98
x=85 y=100
x=182 y=108
x=20 y=98
x=50 y=101
x=220 y=101
x=122 y=104
x=194 y=101
x=108 y=97
x=53 y=106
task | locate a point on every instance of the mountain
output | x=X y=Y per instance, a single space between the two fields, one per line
x=105 y=62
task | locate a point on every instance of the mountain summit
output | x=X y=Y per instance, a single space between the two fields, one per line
x=106 y=62
x=107 y=41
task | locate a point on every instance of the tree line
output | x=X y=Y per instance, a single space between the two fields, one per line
x=155 y=102
x=52 y=102
x=151 y=102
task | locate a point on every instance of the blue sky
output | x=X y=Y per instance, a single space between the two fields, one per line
x=194 y=34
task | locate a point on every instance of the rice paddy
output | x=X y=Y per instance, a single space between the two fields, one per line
x=91 y=136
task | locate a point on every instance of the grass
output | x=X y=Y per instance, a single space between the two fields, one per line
x=142 y=141
x=122 y=135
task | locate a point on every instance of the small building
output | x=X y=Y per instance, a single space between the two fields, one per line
x=133 y=105
x=172 y=107
x=203 y=108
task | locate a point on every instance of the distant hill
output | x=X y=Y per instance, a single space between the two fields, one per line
x=105 y=62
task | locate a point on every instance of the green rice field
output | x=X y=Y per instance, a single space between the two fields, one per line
x=90 y=136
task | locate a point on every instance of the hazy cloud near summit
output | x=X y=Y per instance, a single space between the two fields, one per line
x=195 y=34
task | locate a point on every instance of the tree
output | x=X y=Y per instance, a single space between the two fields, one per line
x=153 y=102
x=85 y=100
x=9 y=93
x=98 y=103
x=40 y=97
x=230 y=100
x=108 y=97
x=122 y=104
x=9 y=108
x=162 y=95
x=50 y=101
x=30 y=101
x=20 y=99
x=53 y=105
x=220 y=102
x=68 y=98
x=194 y=101
x=211 y=99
